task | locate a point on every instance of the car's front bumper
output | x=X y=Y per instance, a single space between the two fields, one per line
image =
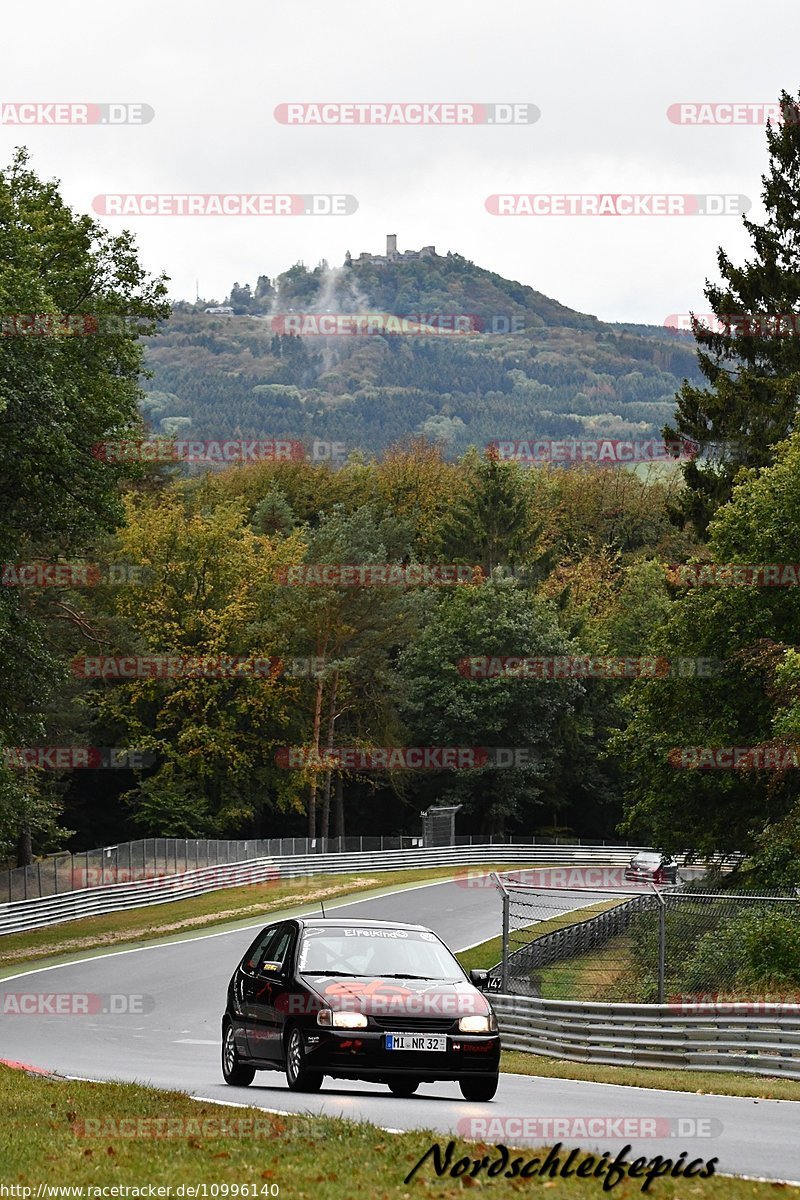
x=362 y=1054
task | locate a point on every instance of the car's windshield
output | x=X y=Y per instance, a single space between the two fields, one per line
x=649 y=858
x=399 y=953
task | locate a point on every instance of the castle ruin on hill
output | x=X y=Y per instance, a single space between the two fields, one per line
x=393 y=254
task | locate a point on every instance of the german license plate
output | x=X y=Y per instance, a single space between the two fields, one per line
x=416 y=1041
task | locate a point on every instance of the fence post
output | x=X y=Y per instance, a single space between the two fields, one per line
x=504 y=969
x=662 y=941
x=504 y=962
x=662 y=951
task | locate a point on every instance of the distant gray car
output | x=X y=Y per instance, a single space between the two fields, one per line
x=652 y=867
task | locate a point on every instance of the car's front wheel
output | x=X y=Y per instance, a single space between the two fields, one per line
x=479 y=1087
x=402 y=1085
x=298 y=1076
x=234 y=1071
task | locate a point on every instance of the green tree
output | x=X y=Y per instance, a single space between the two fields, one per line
x=748 y=629
x=355 y=633
x=442 y=706
x=492 y=524
x=752 y=367
x=64 y=390
x=211 y=591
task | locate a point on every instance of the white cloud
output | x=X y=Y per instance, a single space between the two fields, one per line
x=602 y=74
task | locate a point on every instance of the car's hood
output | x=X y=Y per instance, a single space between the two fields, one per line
x=377 y=996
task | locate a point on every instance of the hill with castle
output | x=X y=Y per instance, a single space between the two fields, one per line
x=406 y=343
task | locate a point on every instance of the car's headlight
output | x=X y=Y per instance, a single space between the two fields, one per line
x=478 y=1024
x=341 y=1020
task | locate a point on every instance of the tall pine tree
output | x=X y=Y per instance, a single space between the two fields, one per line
x=752 y=360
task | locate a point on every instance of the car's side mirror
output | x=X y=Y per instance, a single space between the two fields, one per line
x=480 y=979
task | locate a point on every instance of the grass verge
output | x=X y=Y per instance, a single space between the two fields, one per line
x=591 y=975
x=719 y=1083
x=65 y=1133
x=488 y=954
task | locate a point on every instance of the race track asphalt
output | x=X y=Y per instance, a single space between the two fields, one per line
x=174 y=1043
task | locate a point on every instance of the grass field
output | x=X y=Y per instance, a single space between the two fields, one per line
x=64 y=1133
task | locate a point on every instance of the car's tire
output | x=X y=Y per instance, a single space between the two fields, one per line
x=298 y=1076
x=234 y=1071
x=403 y=1085
x=478 y=1087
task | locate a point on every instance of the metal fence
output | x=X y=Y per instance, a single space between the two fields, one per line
x=718 y=1036
x=152 y=858
x=648 y=945
x=110 y=897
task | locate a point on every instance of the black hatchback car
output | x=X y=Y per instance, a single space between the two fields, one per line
x=652 y=867
x=367 y=1000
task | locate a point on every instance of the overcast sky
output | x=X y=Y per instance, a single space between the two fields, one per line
x=602 y=74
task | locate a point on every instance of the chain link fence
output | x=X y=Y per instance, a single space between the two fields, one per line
x=153 y=858
x=686 y=945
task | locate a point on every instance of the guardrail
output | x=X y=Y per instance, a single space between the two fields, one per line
x=21 y=915
x=151 y=857
x=765 y=1041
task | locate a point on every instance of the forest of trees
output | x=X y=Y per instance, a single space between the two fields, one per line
x=532 y=368
x=542 y=563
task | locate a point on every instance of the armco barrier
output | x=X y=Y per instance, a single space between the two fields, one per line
x=765 y=1042
x=52 y=910
x=148 y=858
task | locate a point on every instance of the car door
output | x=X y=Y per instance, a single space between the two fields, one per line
x=246 y=985
x=270 y=984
